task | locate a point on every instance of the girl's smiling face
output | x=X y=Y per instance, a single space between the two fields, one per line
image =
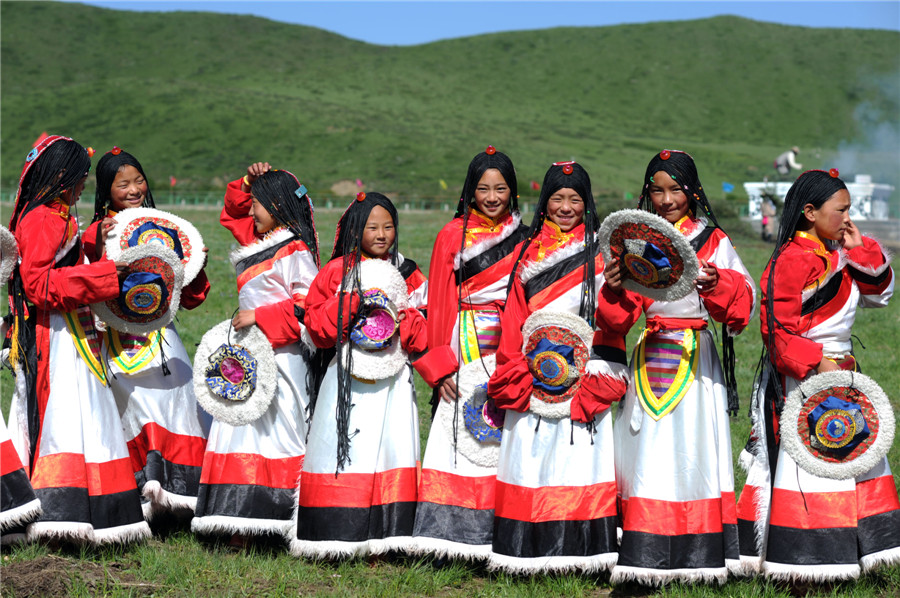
x=668 y=197
x=128 y=190
x=379 y=233
x=565 y=208
x=492 y=193
x=261 y=218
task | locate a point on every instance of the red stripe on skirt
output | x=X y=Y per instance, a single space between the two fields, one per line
x=555 y=503
x=69 y=470
x=876 y=496
x=746 y=506
x=813 y=510
x=678 y=518
x=443 y=488
x=249 y=468
x=358 y=489
x=174 y=448
x=9 y=458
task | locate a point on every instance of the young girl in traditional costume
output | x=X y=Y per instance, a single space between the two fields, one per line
x=358 y=486
x=796 y=525
x=555 y=507
x=467 y=280
x=151 y=375
x=250 y=471
x=673 y=444
x=73 y=442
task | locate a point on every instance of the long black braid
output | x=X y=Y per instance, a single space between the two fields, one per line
x=277 y=191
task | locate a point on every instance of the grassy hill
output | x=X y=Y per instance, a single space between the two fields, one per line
x=200 y=95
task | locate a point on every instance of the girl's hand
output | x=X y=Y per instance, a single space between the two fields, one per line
x=447 y=389
x=106 y=225
x=708 y=279
x=254 y=171
x=613 y=275
x=826 y=365
x=852 y=237
x=205 y=257
x=244 y=318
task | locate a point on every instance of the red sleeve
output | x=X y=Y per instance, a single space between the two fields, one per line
x=413 y=336
x=869 y=268
x=89 y=242
x=279 y=322
x=594 y=395
x=796 y=355
x=195 y=293
x=618 y=312
x=510 y=385
x=440 y=361
x=236 y=214
x=731 y=301
x=39 y=235
x=322 y=306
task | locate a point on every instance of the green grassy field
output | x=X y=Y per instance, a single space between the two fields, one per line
x=176 y=563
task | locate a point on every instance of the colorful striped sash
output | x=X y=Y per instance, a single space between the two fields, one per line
x=664 y=367
x=133 y=352
x=87 y=342
x=479 y=333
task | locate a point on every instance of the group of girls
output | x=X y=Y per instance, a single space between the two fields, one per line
x=107 y=430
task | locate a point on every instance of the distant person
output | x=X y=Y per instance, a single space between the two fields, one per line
x=788 y=161
x=768 y=210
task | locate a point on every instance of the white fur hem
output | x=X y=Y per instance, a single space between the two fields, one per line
x=734 y=566
x=20 y=515
x=84 y=533
x=441 y=548
x=478 y=248
x=814 y=573
x=745 y=460
x=532 y=269
x=658 y=577
x=529 y=566
x=749 y=566
x=328 y=549
x=163 y=500
x=385 y=545
x=245 y=526
x=888 y=557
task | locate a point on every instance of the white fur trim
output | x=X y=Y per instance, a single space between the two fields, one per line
x=245 y=526
x=684 y=286
x=20 y=515
x=66 y=248
x=888 y=557
x=750 y=566
x=236 y=413
x=306 y=339
x=9 y=254
x=888 y=258
x=745 y=460
x=441 y=548
x=659 y=577
x=133 y=254
x=793 y=444
x=273 y=238
x=328 y=549
x=471 y=375
x=163 y=500
x=601 y=367
x=477 y=249
x=396 y=543
x=532 y=269
x=84 y=533
x=704 y=222
x=814 y=573
x=194 y=262
x=529 y=566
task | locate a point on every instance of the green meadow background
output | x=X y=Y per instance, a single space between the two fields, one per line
x=199 y=96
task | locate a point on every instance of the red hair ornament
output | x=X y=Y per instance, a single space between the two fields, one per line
x=834 y=173
x=490 y=150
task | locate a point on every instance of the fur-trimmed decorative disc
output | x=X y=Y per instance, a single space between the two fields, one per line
x=235 y=373
x=837 y=425
x=479 y=423
x=557 y=347
x=375 y=340
x=151 y=293
x=9 y=254
x=141 y=226
x=657 y=261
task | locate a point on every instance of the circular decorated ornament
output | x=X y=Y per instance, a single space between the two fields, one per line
x=145 y=226
x=557 y=347
x=837 y=425
x=479 y=423
x=374 y=337
x=235 y=373
x=150 y=294
x=9 y=254
x=657 y=261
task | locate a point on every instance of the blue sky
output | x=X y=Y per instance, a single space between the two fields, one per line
x=417 y=22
